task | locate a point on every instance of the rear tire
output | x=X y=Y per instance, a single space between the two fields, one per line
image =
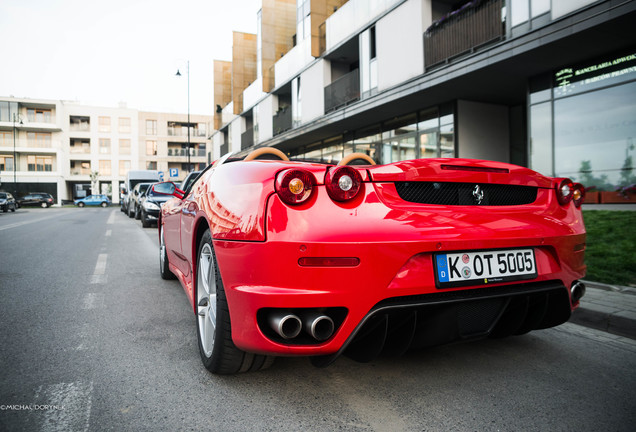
x=164 y=266
x=104 y=204
x=214 y=330
x=44 y=205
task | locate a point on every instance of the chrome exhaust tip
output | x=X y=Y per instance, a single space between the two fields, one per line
x=286 y=325
x=577 y=291
x=320 y=327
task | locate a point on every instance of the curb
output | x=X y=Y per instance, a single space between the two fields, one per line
x=608 y=308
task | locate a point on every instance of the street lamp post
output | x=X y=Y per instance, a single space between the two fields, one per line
x=188 y=146
x=16 y=119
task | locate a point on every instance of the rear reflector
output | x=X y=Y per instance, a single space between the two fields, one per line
x=475 y=169
x=328 y=262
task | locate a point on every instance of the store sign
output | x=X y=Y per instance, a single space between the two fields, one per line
x=580 y=78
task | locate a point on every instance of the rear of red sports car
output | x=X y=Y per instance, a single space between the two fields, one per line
x=322 y=260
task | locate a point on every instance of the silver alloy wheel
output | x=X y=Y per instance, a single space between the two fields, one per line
x=206 y=299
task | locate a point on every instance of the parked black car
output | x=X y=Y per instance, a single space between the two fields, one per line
x=40 y=199
x=150 y=205
x=133 y=200
x=7 y=202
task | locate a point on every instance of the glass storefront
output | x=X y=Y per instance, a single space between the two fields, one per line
x=585 y=127
x=425 y=134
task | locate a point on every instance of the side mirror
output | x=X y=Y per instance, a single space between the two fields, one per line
x=167 y=188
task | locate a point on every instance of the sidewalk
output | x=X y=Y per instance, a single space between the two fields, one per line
x=609 y=308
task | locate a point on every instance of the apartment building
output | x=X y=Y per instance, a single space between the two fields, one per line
x=549 y=84
x=72 y=150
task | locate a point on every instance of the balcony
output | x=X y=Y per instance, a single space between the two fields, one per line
x=79 y=124
x=463 y=31
x=183 y=132
x=181 y=152
x=247 y=139
x=342 y=91
x=282 y=120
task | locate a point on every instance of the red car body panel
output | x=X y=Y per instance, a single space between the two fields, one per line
x=258 y=240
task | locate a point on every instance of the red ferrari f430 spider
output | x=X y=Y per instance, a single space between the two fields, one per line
x=292 y=258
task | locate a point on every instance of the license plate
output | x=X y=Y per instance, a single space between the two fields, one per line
x=484 y=267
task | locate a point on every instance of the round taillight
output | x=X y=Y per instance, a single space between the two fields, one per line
x=564 y=191
x=295 y=186
x=578 y=194
x=343 y=183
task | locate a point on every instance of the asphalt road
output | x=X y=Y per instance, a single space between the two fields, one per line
x=93 y=339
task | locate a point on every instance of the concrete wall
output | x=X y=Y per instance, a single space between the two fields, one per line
x=483 y=131
x=266 y=110
x=313 y=82
x=400 y=44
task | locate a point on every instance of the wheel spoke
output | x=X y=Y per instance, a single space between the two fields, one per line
x=206 y=298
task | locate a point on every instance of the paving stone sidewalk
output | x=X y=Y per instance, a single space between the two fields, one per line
x=609 y=308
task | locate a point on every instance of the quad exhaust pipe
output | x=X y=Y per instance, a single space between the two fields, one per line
x=577 y=291
x=288 y=325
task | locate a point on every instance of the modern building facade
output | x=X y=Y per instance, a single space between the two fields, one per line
x=541 y=83
x=71 y=150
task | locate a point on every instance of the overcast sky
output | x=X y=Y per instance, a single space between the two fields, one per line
x=102 y=52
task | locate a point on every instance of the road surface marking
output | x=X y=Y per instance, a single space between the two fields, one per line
x=70 y=406
x=100 y=267
x=111 y=219
x=19 y=224
x=109 y=233
x=93 y=301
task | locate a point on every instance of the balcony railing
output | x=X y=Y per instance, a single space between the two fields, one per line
x=342 y=91
x=282 y=120
x=463 y=31
x=183 y=132
x=247 y=139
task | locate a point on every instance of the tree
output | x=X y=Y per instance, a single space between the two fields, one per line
x=94 y=183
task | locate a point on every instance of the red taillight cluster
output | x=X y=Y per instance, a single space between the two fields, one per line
x=343 y=183
x=296 y=186
x=567 y=191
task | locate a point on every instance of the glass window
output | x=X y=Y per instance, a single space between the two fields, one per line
x=539 y=7
x=151 y=148
x=151 y=165
x=594 y=137
x=124 y=146
x=6 y=138
x=6 y=163
x=151 y=127
x=519 y=10
x=104 y=145
x=104 y=124
x=124 y=167
x=40 y=140
x=104 y=167
x=447 y=140
x=39 y=115
x=541 y=138
x=124 y=124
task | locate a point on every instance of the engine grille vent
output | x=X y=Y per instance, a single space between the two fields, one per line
x=444 y=193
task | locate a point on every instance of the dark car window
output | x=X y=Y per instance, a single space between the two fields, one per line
x=3 y=195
